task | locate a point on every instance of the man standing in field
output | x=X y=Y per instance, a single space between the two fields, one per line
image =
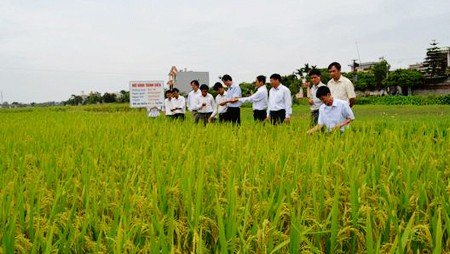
x=341 y=87
x=192 y=97
x=178 y=105
x=204 y=104
x=168 y=104
x=259 y=99
x=234 y=108
x=315 y=102
x=334 y=113
x=221 y=97
x=280 y=101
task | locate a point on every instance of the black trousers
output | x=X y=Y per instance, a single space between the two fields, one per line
x=314 y=117
x=259 y=115
x=203 y=117
x=178 y=116
x=222 y=117
x=234 y=115
x=277 y=117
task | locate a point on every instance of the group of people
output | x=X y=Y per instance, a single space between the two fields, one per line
x=330 y=104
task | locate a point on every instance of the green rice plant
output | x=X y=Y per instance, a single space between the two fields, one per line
x=109 y=180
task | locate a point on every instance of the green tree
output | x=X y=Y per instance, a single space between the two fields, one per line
x=124 y=96
x=380 y=71
x=364 y=81
x=74 y=100
x=435 y=62
x=247 y=88
x=109 y=97
x=94 y=98
x=291 y=81
x=324 y=75
x=405 y=79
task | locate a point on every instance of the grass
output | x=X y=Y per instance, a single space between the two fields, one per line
x=108 y=179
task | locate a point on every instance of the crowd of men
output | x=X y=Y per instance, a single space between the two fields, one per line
x=330 y=104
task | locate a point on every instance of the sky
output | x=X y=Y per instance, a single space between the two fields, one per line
x=52 y=49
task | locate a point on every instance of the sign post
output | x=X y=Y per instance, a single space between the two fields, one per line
x=146 y=94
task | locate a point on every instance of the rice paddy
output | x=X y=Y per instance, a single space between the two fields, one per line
x=106 y=179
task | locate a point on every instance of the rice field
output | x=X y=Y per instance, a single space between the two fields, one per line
x=106 y=179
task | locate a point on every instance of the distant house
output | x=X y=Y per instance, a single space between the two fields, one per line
x=362 y=66
x=184 y=78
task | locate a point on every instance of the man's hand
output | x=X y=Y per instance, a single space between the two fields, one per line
x=311 y=102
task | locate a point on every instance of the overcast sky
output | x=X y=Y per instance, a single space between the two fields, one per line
x=52 y=49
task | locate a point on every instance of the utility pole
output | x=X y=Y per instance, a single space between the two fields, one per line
x=357 y=49
x=1 y=96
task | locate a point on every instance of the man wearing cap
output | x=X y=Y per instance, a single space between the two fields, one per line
x=220 y=98
x=259 y=99
x=341 y=87
x=279 y=109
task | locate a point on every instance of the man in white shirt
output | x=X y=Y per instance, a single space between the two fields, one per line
x=168 y=104
x=191 y=98
x=259 y=99
x=334 y=114
x=220 y=97
x=234 y=108
x=178 y=106
x=315 y=102
x=341 y=87
x=204 y=104
x=280 y=101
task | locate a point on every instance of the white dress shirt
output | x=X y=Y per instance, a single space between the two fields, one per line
x=178 y=103
x=168 y=107
x=191 y=99
x=317 y=101
x=234 y=91
x=208 y=100
x=259 y=99
x=280 y=98
x=220 y=109
x=342 y=89
x=338 y=112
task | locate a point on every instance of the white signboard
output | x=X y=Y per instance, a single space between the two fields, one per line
x=146 y=94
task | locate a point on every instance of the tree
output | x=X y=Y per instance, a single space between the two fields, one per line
x=380 y=71
x=124 y=96
x=109 y=97
x=291 y=82
x=94 y=98
x=303 y=72
x=404 y=78
x=324 y=75
x=247 y=88
x=435 y=62
x=366 y=80
x=74 y=100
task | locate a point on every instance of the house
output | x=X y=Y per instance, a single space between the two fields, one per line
x=182 y=79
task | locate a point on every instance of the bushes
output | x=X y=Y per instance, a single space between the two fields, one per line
x=404 y=100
